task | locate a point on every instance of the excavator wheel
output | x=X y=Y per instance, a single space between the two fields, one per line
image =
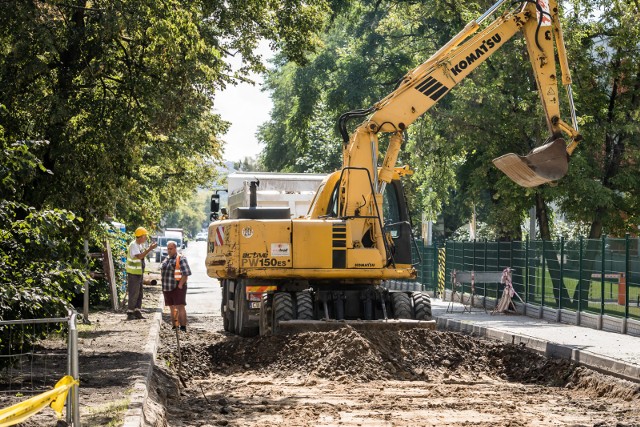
x=401 y=305
x=544 y=164
x=244 y=327
x=304 y=305
x=282 y=309
x=421 y=306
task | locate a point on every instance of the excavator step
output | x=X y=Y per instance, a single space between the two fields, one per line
x=292 y=326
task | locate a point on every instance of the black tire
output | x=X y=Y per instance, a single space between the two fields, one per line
x=304 y=306
x=265 y=326
x=282 y=309
x=228 y=316
x=421 y=306
x=157 y=256
x=243 y=326
x=401 y=305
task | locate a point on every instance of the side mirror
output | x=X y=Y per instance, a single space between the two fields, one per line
x=215 y=203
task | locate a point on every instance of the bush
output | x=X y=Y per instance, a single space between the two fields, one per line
x=40 y=267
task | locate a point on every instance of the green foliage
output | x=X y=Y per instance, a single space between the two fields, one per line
x=190 y=216
x=39 y=269
x=40 y=262
x=123 y=92
x=601 y=188
x=248 y=164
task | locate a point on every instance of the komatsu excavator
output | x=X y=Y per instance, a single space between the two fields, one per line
x=347 y=260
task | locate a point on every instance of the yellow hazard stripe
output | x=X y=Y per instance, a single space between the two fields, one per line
x=442 y=261
x=261 y=289
x=21 y=411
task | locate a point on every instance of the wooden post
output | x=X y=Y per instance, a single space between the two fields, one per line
x=85 y=308
x=110 y=274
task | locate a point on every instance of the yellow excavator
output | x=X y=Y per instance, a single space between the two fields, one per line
x=347 y=261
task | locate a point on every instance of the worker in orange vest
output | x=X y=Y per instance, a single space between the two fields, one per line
x=175 y=271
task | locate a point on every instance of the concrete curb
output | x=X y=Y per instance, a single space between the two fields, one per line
x=596 y=362
x=134 y=417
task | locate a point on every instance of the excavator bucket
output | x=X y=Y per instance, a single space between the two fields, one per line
x=544 y=164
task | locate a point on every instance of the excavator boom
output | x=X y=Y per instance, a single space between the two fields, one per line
x=428 y=83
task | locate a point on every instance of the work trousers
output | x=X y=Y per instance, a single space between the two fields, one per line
x=134 y=291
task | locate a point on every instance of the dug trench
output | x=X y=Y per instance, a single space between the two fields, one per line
x=348 y=377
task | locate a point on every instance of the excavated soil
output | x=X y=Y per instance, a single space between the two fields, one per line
x=367 y=378
x=339 y=378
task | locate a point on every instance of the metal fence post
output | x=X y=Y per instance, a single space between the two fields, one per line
x=436 y=268
x=73 y=399
x=484 y=285
x=580 y=274
x=526 y=270
x=602 y=260
x=474 y=255
x=561 y=272
x=544 y=276
x=462 y=268
x=626 y=276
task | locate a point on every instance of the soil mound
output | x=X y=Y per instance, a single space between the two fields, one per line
x=349 y=354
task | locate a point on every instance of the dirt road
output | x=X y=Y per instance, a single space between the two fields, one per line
x=351 y=378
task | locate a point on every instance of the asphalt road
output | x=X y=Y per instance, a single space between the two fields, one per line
x=203 y=294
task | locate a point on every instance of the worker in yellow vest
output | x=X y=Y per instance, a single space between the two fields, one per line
x=136 y=254
x=175 y=270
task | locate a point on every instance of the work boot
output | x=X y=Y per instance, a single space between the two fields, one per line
x=131 y=316
x=183 y=329
x=138 y=314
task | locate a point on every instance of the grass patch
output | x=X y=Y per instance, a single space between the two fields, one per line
x=110 y=414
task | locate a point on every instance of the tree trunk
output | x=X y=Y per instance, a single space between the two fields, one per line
x=560 y=292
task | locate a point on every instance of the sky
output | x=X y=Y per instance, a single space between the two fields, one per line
x=246 y=107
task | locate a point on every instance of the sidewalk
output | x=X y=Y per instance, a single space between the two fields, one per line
x=608 y=352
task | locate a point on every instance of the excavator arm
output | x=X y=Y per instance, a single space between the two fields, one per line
x=363 y=181
x=424 y=86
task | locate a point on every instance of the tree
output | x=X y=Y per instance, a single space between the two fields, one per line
x=123 y=92
x=601 y=190
x=248 y=164
x=105 y=111
x=190 y=215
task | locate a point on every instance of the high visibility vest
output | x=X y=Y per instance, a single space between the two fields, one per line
x=134 y=265
x=177 y=273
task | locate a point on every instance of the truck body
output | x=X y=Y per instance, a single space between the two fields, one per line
x=276 y=190
x=340 y=263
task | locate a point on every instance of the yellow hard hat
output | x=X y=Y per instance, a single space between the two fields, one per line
x=140 y=231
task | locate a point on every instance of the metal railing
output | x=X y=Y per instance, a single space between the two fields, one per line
x=39 y=360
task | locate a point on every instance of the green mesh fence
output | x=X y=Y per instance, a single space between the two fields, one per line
x=601 y=276
x=425 y=260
